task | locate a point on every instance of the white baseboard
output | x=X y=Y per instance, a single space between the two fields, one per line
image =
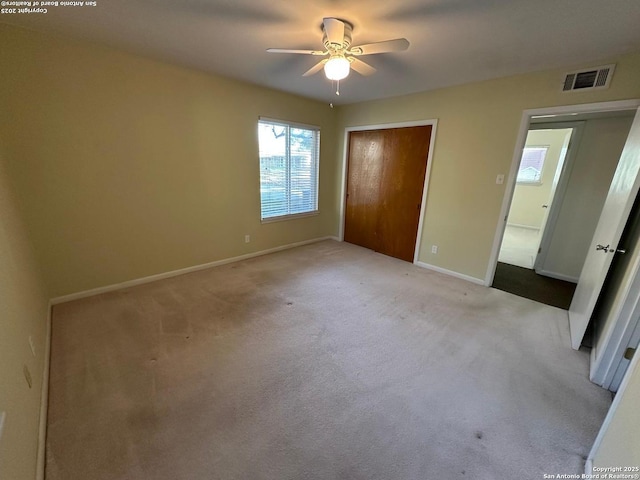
x=451 y=273
x=44 y=401
x=558 y=276
x=182 y=271
x=519 y=225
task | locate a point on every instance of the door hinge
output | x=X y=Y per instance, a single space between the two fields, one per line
x=629 y=352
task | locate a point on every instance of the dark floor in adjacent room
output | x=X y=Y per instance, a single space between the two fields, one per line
x=528 y=284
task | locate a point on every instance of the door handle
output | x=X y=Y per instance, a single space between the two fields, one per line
x=606 y=249
x=545 y=206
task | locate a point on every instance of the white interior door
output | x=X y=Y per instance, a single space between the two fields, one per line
x=615 y=212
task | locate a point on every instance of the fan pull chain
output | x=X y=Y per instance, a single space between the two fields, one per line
x=338 y=87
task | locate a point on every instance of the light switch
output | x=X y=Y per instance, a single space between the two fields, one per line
x=500 y=179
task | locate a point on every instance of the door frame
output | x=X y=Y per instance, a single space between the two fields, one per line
x=386 y=126
x=613 y=409
x=561 y=188
x=604 y=364
x=510 y=183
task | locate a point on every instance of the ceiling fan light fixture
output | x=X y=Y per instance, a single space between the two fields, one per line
x=337 y=67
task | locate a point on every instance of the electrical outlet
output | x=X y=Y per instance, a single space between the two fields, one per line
x=247 y=238
x=27 y=376
x=33 y=348
x=434 y=249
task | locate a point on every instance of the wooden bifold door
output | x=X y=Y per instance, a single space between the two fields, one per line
x=385 y=180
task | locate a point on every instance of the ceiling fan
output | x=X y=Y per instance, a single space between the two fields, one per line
x=342 y=57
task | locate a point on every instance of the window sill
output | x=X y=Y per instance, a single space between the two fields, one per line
x=290 y=217
x=530 y=184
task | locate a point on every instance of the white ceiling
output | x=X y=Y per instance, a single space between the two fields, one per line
x=452 y=41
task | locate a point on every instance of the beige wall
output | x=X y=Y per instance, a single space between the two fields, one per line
x=23 y=313
x=596 y=160
x=477 y=128
x=141 y=168
x=128 y=167
x=526 y=205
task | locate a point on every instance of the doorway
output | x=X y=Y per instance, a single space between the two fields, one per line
x=539 y=173
x=385 y=187
x=542 y=177
x=559 y=227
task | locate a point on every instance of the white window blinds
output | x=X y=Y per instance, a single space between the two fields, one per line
x=531 y=165
x=289 y=157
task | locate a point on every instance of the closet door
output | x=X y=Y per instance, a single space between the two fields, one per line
x=385 y=179
x=363 y=188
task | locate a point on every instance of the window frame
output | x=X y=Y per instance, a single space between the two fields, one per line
x=544 y=162
x=315 y=169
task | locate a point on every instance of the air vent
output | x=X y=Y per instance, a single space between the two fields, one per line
x=596 y=78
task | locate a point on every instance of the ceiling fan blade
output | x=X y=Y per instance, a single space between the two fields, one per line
x=334 y=29
x=315 y=69
x=397 y=45
x=361 y=67
x=304 y=52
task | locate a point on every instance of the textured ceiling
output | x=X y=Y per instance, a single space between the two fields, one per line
x=452 y=41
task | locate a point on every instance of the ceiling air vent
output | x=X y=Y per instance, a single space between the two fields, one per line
x=596 y=78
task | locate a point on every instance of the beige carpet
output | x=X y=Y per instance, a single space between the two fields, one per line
x=323 y=362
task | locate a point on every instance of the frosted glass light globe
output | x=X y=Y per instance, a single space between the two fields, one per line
x=337 y=68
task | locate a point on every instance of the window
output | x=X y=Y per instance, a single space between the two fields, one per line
x=530 y=170
x=289 y=156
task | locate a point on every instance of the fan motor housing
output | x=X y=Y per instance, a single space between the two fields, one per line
x=348 y=29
